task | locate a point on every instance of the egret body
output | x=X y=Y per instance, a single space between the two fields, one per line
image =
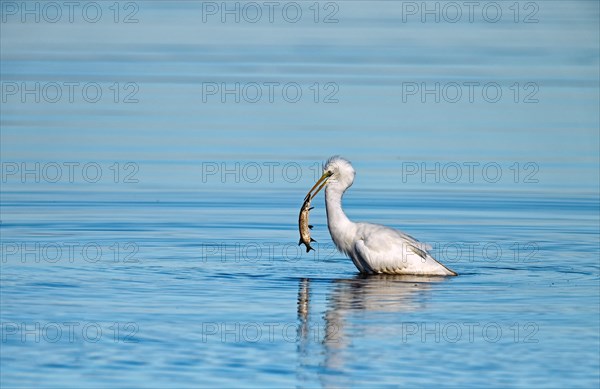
x=374 y=249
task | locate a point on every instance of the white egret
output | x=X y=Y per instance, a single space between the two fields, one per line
x=374 y=249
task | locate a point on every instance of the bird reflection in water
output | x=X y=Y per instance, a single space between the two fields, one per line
x=379 y=293
x=302 y=338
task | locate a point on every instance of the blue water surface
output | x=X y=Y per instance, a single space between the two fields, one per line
x=149 y=234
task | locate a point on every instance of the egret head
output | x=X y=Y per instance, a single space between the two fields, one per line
x=340 y=171
x=336 y=171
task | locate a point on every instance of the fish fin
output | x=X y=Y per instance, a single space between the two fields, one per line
x=311 y=208
x=311 y=227
x=308 y=248
x=300 y=242
x=312 y=240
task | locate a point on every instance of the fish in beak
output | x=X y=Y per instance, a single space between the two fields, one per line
x=303 y=225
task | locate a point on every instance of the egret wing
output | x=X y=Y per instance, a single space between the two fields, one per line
x=380 y=255
x=362 y=256
x=417 y=244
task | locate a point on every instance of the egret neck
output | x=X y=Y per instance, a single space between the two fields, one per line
x=340 y=227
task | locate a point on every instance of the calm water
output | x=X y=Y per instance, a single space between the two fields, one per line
x=149 y=238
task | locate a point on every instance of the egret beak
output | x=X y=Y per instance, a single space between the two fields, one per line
x=322 y=181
